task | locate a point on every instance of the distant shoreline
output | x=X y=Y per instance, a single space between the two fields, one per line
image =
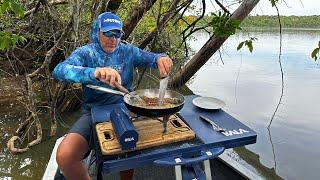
x=256 y=28
x=304 y=22
x=270 y=22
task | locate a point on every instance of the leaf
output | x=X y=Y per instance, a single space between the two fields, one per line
x=222 y=25
x=5 y=43
x=22 y=39
x=314 y=54
x=273 y=2
x=240 y=45
x=249 y=45
x=4 y=6
x=16 y=9
x=9 y=40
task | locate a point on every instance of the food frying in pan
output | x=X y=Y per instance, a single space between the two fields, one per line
x=154 y=101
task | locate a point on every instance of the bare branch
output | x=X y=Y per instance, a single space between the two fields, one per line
x=191 y=27
x=166 y=17
x=222 y=7
x=185 y=6
x=281 y=69
x=52 y=3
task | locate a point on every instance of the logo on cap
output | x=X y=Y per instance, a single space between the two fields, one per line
x=112 y=21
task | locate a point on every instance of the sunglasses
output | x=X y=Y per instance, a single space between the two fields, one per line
x=110 y=34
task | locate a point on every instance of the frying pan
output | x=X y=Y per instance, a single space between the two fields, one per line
x=132 y=99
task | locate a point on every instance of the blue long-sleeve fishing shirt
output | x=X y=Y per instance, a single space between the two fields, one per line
x=80 y=66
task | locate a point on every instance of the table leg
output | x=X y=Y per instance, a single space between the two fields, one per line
x=178 y=172
x=193 y=171
x=207 y=169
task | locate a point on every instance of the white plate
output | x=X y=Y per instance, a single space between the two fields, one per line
x=208 y=103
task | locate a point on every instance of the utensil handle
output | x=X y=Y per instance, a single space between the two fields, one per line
x=121 y=88
x=107 y=90
x=213 y=124
x=207 y=120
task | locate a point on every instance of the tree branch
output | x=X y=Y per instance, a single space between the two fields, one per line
x=52 y=3
x=222 y=7
x=166 y=17
x=209 y=48
x=135 y=15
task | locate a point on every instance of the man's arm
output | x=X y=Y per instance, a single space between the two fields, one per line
x=74 y=69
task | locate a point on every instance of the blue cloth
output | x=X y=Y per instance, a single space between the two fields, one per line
x=80 y=66
x=83 y=126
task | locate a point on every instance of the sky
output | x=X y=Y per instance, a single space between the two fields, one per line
x=286 y=8
x=289 y=7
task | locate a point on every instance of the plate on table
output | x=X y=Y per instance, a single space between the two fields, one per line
x=209 y=103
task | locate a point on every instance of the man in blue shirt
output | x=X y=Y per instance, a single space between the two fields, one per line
x=103 y=62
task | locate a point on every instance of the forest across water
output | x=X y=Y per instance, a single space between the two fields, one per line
x=268 y=21
x=286 y=21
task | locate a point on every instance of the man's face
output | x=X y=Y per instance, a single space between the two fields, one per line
x=109 y=40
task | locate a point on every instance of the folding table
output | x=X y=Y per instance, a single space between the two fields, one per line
x=185 y=156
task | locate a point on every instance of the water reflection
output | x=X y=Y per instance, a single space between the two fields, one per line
x=244 y=154
x=29 y=165
x=250 y=84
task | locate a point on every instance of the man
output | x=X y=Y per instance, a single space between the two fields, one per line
x=103 y=62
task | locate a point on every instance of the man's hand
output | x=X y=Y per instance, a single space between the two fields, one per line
x=164 y=66
x=107 y=75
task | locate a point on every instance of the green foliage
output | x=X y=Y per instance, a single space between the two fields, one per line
x=12 y=6
x=8 y=39
x=273 y=2
x=222 y=25
x=315 y=53
x=247 y=43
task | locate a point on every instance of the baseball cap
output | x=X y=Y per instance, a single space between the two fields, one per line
x=109 y=21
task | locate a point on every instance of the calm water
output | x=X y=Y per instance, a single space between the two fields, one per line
x=250 y=84
x=30 y=165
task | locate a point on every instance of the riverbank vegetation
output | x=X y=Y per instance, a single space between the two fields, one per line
x=286 y=21
x=271 y=22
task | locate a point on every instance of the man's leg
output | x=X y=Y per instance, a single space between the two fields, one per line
x=74 y=147
x=70 y=153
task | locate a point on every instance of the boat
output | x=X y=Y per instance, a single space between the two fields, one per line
x=222 y=167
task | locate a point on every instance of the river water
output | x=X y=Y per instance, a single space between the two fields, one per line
x=250 y=84
x=30 y=165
